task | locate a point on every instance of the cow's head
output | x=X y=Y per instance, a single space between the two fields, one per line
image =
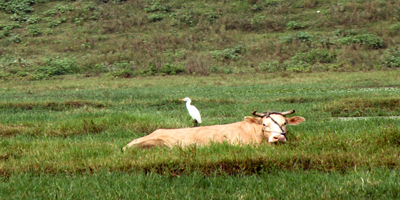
x=274 y=124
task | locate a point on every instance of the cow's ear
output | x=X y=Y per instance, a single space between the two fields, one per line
x=252 y=120
x=295 y=120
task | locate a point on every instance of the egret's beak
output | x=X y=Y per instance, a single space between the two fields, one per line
x=180 y=99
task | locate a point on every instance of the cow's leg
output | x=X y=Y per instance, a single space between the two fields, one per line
x=149 y=143
x=130 y=144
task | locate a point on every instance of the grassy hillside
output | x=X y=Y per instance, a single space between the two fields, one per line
x=45 y=38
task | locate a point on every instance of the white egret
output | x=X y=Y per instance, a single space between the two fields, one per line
x=193 y=112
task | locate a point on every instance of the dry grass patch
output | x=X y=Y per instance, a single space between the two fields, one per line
x=86 y=127
x=297 y=100
x=53 y=105
x=351 y=107
x=389 y=136
x=12 y=130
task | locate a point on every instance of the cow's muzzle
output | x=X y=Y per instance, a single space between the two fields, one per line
x=278 y=138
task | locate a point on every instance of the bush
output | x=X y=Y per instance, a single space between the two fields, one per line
x=229 y=54
x=63 y=9
x=56 y=22
x=308 y=61
x=392 y=60
x=51 y=12
x=155 y=17
x=120 y=69
x=256 y=8
x=185 y=18
x=295 y=25
x=304 y=37
x=300 y=66
x=170 y=69
x=22 y=74
x=57 y=66
x=369 y=40
x=19 y=18
x=33 y=19
x=212 y=16
x=33 y=31
x=4 y=33
x=15 y=39
x=10 y=26
x=156 y=6
x=269 y=66
x=299 y=36
x=150 y=71
x=20 y=7
x=4 y=75
x=38 y=76
x=11 y=62
x=320 y=56
x=325 y=41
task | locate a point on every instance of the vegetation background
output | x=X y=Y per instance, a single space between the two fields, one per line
x=80 y=79
x=45 y=38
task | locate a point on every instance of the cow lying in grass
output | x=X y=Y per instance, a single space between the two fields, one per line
x=268 y=126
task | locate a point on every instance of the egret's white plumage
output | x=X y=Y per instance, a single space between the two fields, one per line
x=193 y=112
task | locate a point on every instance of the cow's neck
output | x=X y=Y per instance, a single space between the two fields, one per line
x=260 y=135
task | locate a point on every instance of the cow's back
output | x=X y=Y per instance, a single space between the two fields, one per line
x=231 y=133
x=234 y=133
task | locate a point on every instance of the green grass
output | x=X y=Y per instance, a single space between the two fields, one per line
x=378 y=184
x=63 y=138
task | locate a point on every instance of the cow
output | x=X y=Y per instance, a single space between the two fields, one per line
x=267 y=126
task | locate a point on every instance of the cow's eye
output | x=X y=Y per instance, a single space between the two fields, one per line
x=264 y=125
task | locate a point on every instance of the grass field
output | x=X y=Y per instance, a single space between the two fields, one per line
x=62 y=138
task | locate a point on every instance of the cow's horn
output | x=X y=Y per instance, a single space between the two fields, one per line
x=258 y=114
x=288 y=112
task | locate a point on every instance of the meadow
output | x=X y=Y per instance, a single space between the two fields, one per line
x=62 y=138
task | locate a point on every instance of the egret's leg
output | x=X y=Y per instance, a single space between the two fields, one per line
x=195 y=123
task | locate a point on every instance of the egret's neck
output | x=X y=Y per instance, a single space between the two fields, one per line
x=188 y=103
